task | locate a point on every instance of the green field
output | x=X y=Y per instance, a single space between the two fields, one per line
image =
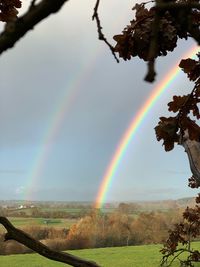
x=21 y=222
x=135 y=256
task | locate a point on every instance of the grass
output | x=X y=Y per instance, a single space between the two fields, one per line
x=137 y=256
x=21 y=222
x=133 y=256
x=26 y=222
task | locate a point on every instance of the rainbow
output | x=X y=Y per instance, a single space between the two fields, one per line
x=64 y=103
x=132 y=129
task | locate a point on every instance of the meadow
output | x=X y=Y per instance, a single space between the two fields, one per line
x=133 y=256
x=60 y=222
x=43 y=222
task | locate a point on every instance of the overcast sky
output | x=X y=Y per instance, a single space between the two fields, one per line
x=65 y=104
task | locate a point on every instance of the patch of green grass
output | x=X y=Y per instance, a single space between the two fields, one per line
x=26 y=222
x=67 y=210
x=133 y=256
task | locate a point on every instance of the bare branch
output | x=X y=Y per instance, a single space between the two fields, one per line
x=15 y=30
x=99 y=29
x=25 y=239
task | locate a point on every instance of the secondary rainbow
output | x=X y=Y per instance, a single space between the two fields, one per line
x=132 y=129
x=64 y=104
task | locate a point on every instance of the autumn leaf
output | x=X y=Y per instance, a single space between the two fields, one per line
x=191 y=67
x=123 y=45
x=192 y=183
x=177 y=103
x=167 y=129
x=8 y=9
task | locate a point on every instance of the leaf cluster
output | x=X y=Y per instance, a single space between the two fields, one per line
x=154 y=31
x=183 y=233
x=8 y=9
x=171 y=129
x=136 y=37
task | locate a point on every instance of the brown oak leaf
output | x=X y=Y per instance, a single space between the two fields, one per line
x=191 y=67
x=167 y=129
x=177 y=103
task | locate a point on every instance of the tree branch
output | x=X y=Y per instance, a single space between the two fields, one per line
x=25 y=239
x=15 y=30
x=164 y=261
x=99 y=30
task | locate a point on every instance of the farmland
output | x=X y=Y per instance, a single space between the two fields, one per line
x=65 y=226
x=23 y=222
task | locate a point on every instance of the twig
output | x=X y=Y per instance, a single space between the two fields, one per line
x=178 y=251
x=25 y=239
x=95 y=16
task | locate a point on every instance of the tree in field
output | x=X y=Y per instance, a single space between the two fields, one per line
x=153 y=32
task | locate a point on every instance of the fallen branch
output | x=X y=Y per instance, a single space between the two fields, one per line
x=25 y=239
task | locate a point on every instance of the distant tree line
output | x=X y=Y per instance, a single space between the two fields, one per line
x=38 y=212
x=101 y=230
